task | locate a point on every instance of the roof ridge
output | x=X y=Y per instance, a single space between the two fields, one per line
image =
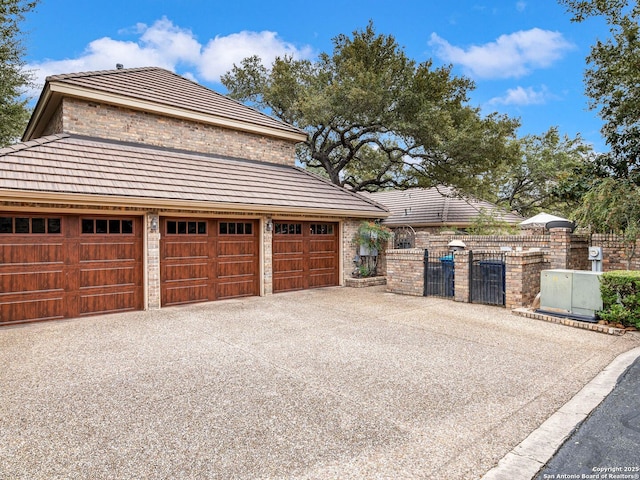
x=33 y=143
x=95 y=73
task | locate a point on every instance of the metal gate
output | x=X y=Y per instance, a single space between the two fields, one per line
x=439 y=274
x=487 y=275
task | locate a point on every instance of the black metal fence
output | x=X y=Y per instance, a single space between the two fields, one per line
x=487 y=277
x=439 y=274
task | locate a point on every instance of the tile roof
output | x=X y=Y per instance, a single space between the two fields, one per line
x=163 y=87
x=435 y=207
x=63 y=164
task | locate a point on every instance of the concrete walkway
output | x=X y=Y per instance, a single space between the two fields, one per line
x=331 y=383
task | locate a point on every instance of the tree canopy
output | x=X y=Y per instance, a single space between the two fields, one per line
x=377 y=119
x=14 y=113
x=543 y=178
x=612 y=81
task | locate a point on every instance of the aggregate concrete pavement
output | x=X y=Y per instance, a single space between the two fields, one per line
x=328 y=383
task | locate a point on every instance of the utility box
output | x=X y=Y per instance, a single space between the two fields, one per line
x=570 y=293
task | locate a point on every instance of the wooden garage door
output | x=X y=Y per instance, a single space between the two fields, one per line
x=305 y=255
x=206 y=259
x=56 y=266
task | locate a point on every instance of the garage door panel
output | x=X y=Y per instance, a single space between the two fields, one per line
x=237 y=268
x=220 y=262
x=288 y=246
x=239 y=247
x=308 y=258
x=239 y=288
x=105 y=251
x=287 y=283
x=186 y=271
x=25 y=308
x=107 y=302
x=322 y=246
x=320 y=279
x=25 y=253
x=177 y=294
x=58 y=266
x=103 y=277
x=180 y=250
x=32 y=282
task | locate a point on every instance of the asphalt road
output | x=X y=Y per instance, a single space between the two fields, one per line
x=607 y=444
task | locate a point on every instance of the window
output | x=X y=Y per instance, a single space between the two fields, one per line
x=321 y=229
x=184 y=227
x=103 y=226
x=287 y=228
x=235 y=228
x=29 y=225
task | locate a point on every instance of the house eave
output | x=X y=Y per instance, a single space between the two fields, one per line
x=119 y=202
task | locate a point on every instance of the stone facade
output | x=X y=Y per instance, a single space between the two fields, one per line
x=117 y=123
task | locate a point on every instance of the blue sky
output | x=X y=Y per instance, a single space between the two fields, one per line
x=526 y=57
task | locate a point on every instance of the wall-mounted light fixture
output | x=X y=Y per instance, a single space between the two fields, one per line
x=268 y=225
x=154 y=224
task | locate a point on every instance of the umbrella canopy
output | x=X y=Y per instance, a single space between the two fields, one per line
x=542 y=219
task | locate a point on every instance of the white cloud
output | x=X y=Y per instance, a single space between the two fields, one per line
x=166 y=45
x=222 y=52
x=513 y=55
x=523 y=96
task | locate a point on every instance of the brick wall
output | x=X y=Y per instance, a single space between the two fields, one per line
x=118 y=123
x=405 y=271
x=482 y=242
x=615 y=253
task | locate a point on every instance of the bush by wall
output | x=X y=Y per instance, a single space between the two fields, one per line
x=621 y=297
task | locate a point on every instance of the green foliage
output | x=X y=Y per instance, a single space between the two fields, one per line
x=14 y=113
x=488 y=223
x=613 y=206
x=375 y=118
x=373 y=235
x=612 y=81
x=541 y=178
x=621 y=297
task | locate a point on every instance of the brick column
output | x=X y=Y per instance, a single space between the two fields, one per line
x=153 y=260
x=523 y=277
x=560 y=247
x=267 y=248
x=462 y=292
x=405 y=271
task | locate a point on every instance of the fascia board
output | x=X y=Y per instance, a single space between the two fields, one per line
x=167 y=204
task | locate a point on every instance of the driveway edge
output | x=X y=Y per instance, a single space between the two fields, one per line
x=533 y=453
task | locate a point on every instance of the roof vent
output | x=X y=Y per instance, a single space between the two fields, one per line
x=119 y=66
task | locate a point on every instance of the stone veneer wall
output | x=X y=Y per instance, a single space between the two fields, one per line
x=122 y=124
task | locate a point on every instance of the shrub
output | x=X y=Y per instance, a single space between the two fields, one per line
x=621 y=297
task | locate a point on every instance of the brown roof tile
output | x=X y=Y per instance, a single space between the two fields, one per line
x=62 y=164
x=435 y=207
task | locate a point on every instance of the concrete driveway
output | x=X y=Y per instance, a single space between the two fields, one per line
x=329 y=383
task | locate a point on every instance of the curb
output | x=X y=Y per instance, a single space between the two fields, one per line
x=533 y=453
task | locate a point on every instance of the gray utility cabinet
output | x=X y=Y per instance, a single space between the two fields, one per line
x=574 y=293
